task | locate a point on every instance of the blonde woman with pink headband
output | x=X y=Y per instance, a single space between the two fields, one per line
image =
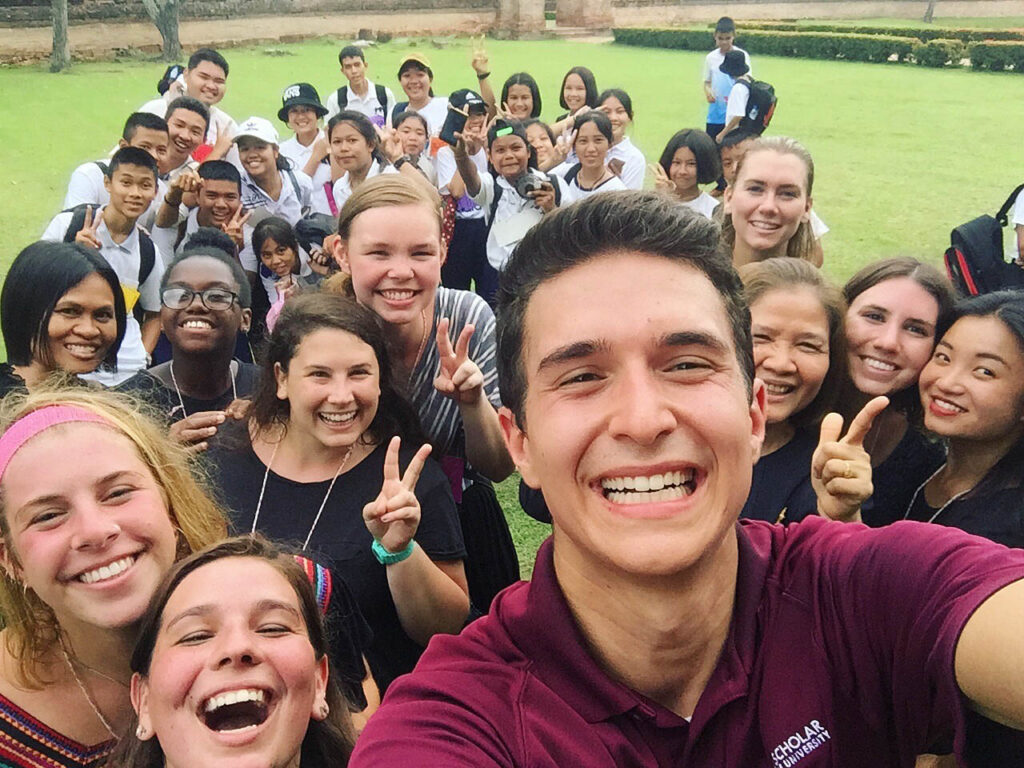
x=96 y=505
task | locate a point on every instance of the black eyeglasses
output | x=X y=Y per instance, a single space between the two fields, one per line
x=212 y=298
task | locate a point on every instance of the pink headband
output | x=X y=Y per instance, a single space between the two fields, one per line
x=27 y=427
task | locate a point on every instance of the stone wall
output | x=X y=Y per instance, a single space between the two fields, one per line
x=30 y=13
x=642 y=13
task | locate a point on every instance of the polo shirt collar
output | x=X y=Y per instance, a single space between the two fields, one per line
x=542 y=626
x=130 y=243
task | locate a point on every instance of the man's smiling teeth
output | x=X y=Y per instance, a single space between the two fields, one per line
x=648 y=489
x=196 y=323
x=233 y=697
x=107 y=571
x=338 y=418
x=879 y=365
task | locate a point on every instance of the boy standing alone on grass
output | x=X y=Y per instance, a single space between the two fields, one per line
x=716 y=83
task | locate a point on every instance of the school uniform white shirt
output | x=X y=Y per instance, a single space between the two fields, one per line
x=86 y=187
x=322 y=199
x=125 y=260
x=296 y=152
x=368 y=105
x=818 y=227
x=343 y=187
x=575 y=192
x=446 y=170
x=634 y=164
x=736 y=101
x=292 y=203
x=434 y=112
x=510 y=205
x=166 y=237
x=703 y=204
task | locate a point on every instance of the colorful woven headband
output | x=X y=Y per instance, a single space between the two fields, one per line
x=27 y=427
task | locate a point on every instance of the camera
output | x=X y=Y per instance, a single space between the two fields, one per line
x=531 y=181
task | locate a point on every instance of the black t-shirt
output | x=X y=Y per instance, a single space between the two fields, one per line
x=912 y=462
x=164 y=398
x=341 y=538
x=782 y=481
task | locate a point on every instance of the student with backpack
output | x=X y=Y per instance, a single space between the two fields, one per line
x=717 y=84
x=114 y=232
x=142 y=129
x=301 y=111
x=751 y=103
x=375 y=101
x=268 y=182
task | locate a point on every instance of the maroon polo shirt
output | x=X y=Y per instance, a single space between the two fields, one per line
x=840 y=653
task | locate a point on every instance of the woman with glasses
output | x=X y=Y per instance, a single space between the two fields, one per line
x=205 y=301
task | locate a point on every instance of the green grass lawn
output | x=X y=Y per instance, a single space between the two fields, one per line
x=902 y=153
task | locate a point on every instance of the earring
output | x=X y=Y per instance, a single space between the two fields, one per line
x=324 y=711
x=142 y=733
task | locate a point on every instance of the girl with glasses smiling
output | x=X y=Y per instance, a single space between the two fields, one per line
x=205 y=301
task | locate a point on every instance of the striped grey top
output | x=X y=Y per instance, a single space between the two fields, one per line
x=440 y=414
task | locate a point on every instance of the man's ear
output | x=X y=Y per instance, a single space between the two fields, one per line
x=121 y=143
x=757 y=419
x=517 y=442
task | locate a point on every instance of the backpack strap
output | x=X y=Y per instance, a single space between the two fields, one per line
x=103 y=167
x=331 y=202
x=77 y=220
x=382 y=97
x=400 y=107
x=1001 y=216
x=569 y=177
x=342 y=96
x=147 y=257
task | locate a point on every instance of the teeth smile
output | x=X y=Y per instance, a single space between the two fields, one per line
x=397 y=295
x=947 y=406
x=778 y=389
x=107 y=571
x=81 y=349
x=234 y=697
x=649 y=489
x=197 y=324
x=338 y=418
x=879 y=365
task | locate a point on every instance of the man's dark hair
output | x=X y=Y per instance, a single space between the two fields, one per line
x=131 y=156
x=726 y=25
x=643 y=222
x=192 y=105
x=138 y=120
x=733 y=138
x=349 y=51
x=212 y=252
x=210 y=55
x=211 y=237
x=38 y=278
x=220 y=170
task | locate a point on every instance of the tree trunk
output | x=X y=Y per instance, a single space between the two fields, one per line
x=60 y=57
x=164 y=14
x=929 y=12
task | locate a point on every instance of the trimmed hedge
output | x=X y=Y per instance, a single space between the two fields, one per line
x=938 y=53
x=812 y=45
x=997 y=56
x=921 y=33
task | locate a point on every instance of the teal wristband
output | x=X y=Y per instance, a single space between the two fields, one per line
x=390 y=558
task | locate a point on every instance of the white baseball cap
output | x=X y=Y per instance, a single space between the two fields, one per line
x=259 y=128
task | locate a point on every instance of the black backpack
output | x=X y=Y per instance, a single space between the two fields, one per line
x=760 y=106
x=974 y=260
x=382 y=97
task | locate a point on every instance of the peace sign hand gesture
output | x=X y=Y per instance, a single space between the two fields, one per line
x=234 y=227
x=87 y=235
x=480 y=62
x=460 y=378
x=841 y=468
x=390 y=143
x=393 y=517
x=662 y=182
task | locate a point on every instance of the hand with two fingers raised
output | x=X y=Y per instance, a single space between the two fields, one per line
x=841 y=467
x=88 y=234
x=394 y=516
x=459 y=378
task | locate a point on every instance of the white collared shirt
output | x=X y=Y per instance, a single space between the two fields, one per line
x=291 y=205
x=296 y=152
x=368 y=105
